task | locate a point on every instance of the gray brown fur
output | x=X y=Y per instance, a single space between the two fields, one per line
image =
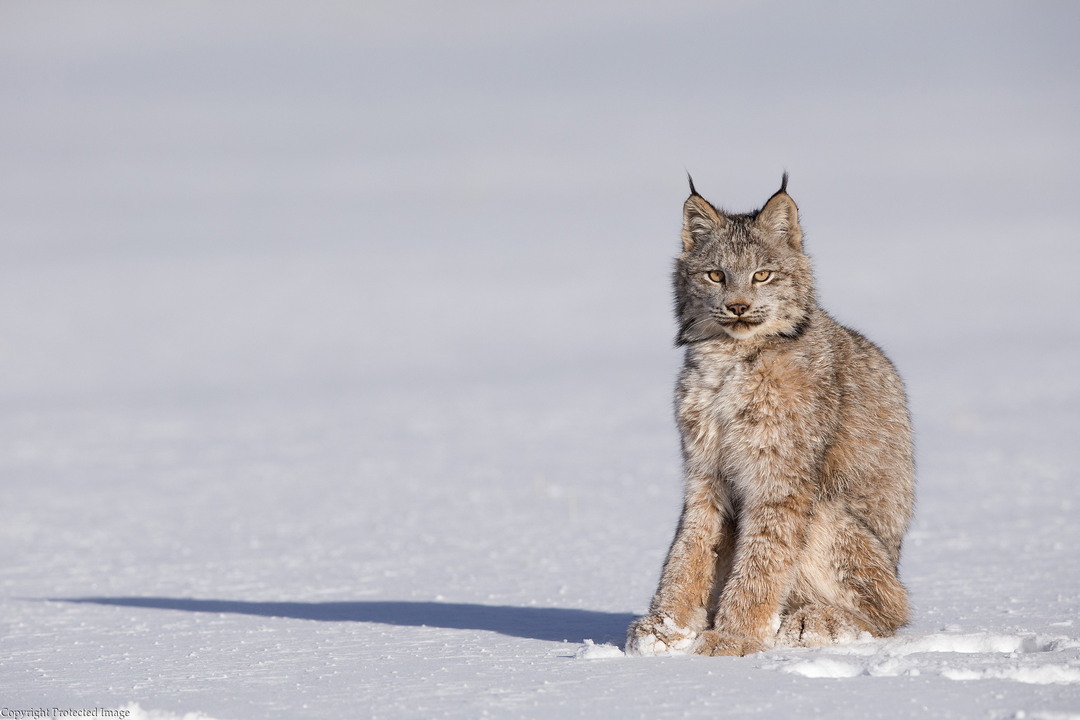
x=797 y=451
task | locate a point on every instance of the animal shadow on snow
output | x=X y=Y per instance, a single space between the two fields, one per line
x=537 y=623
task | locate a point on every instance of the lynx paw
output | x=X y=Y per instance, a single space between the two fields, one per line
x=656 y=635
x=815 y=625
x=714 y=642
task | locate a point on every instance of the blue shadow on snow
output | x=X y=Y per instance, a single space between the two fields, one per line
x=537 y=623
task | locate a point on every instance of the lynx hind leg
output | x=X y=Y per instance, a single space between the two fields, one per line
x=815 y=624
x=845 y=585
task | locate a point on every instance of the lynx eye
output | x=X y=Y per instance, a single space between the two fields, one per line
x=715 y=276
x=762 y=275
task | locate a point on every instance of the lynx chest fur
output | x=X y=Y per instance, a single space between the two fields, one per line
x=737 y=407
x=796 y=442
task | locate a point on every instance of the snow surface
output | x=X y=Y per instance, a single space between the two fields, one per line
x=335 y=346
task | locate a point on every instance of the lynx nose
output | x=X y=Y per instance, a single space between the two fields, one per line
x=737 y=308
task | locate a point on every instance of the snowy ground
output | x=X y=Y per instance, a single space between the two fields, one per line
x=335 y=346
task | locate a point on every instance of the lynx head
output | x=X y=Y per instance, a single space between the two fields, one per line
x=742 y=276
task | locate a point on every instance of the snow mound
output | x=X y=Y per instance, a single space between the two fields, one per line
x=1037 y=675
x=1024 y=658
x=971 y=643
x=591 y=651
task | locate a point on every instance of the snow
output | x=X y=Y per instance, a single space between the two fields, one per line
x=134 y=712
x=589 y=650
x=336 y=347
x=913 y=656
x=1031 y=659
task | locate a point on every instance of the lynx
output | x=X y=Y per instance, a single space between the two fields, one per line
x=797 y=453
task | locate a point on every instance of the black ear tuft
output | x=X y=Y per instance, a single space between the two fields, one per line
x=693 y=190
x=780 y=217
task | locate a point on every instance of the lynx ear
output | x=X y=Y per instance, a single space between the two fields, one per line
x=700 y=219
x=780 y=217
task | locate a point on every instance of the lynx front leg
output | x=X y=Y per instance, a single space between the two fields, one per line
x=748 y=613
x=679 y=610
